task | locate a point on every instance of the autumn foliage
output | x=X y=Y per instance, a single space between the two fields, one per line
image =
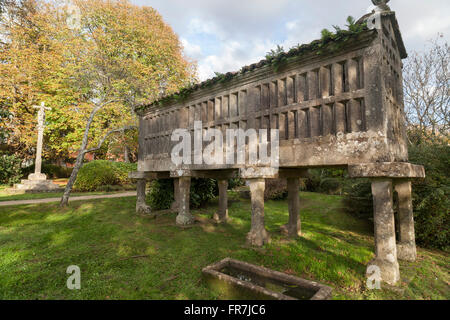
x=104 y=51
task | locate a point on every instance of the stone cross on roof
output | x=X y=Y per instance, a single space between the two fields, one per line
x=382 y=5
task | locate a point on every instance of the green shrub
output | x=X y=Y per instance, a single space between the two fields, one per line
x=276 y=189
x=431 y=195
x=51 y=170
x=329 y=181
x=203 y=190
x=235 y=183
x=358 y=199
x=10 y=170
x=95 y=175
x=161 y=194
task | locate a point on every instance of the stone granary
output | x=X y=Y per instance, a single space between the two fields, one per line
x=336 y=102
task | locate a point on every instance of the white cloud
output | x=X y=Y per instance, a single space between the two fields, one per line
x=191 y=50
x=232 y=57
x=199 y=26
x=226 y=35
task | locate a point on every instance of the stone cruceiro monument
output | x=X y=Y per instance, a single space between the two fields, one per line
x=337 y=103
x=37 y=181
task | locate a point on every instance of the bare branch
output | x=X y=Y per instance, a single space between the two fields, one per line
x=127 y=128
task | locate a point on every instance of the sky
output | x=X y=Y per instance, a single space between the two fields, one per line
x=224 y=35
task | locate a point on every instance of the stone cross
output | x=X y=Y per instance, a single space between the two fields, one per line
x=41 y=118
x=381 y=5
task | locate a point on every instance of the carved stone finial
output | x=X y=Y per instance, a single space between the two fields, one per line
x=381 y=5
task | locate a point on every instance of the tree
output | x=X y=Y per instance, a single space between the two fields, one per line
x=129 y=57
x=427 y=89
x=32 y=57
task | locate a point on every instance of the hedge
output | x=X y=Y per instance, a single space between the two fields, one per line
x=161 y=194
x=98 y=174
x=10 y=170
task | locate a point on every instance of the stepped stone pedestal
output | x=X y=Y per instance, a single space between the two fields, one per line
x=37 y=182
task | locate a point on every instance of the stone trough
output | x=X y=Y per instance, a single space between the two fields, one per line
x=234 y=279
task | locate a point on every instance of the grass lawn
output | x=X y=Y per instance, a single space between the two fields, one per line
x=103 y=237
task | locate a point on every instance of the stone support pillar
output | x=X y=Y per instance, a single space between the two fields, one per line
x=293 y=228
x=184 y=217
x=258 y=235
x=176 y=195
x=385 y=245
x=222 y=214
x=141 y=205
x=406 y=248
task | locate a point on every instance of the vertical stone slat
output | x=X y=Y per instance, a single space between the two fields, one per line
x=234 y=105
x=313 y=84
x=226 y=107
x=242 y=101
x=273 y=95
x=327 y=119
x=282 y=126
x=218 y=109
x=355 y=115
x=303 y=125
x=266 y=125
x=211 y=111
x=292 y=124
x=353 y=74
x=314 y=114
x=265 y=96
x=290 y=88
x=303 y=89
x=325 y=81
x=282 y=93
x=338 y=78
x=340 y=118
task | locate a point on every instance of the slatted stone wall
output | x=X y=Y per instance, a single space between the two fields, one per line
x=332 y=109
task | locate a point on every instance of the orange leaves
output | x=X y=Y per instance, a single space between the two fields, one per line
x=119 y=51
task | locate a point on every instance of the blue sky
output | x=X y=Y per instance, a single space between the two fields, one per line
x=225 y=35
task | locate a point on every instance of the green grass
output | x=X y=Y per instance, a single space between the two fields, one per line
x=39 y=242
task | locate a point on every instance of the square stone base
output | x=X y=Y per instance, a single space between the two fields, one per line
x=37 y=186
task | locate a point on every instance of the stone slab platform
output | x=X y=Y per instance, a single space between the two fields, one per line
x=386 y=170
x=37 y=185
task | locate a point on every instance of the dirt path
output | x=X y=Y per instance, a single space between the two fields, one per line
x=79 y=198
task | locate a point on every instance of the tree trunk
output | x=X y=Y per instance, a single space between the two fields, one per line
x=126 y=154
x=79 y=162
